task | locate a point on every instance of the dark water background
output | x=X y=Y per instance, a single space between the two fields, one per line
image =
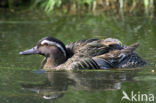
x=20 y=83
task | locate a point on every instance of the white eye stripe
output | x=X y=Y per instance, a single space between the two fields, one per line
x=56 y=44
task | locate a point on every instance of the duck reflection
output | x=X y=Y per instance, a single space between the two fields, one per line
x=57 y=83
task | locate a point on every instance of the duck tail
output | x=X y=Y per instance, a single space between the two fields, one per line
x=131 y=48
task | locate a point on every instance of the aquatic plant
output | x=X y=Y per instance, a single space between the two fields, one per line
x=95 y=6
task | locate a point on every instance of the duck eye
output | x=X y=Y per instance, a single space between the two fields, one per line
x=46 y=44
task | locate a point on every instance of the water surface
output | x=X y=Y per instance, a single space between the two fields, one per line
x=19 y=81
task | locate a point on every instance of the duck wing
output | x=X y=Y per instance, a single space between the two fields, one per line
x=113 y=59
x=120 y=58
x=93 y=47
x=119 y=53
x=74 y=47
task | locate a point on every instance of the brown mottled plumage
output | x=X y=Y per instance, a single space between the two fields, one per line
x=85 y=54
x=119 y=53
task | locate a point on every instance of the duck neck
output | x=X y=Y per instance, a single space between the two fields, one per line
x=53 y=61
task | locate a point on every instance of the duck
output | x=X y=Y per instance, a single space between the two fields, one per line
x=91 y=53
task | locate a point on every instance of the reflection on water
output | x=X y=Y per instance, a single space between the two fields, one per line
x=58 y=82
x=18 y=84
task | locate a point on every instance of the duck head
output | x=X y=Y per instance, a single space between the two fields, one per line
x=52 y=49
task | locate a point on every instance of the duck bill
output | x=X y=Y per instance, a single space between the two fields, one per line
x=30 y=51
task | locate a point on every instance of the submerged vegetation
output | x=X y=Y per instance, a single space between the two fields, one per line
x=85 y=6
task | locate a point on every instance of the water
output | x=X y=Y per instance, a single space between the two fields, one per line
x=21 y=81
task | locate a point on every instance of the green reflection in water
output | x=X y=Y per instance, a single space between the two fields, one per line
x=19 y=84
